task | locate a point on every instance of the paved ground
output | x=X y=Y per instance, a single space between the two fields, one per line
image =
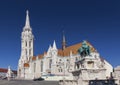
x=25 y=82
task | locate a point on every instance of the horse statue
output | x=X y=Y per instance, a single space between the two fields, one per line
x=84 y=50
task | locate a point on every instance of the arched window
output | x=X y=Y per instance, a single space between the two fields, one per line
x=41 y=66
x=29 y=51
x=76 y=59
x=67 y=60
x=29 y=43
x=26 y=44
x=60 y=70
x=60 y=60
x=26 y=51
x=34 y=67
x=50 y=63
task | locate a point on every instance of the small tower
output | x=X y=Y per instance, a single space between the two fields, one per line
x=54 y=49
x=63 y=42
x=53 y=60
x=54 y=45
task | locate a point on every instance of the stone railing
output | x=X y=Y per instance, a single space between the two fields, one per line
x=68 y=82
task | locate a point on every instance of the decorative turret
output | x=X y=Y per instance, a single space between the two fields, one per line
x=54 y=45
x=49 y=50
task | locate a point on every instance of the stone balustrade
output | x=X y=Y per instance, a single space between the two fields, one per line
x=68 y=82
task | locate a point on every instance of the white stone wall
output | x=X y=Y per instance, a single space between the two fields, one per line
x=109 y=69
x=116 y=74
x=65 y=65
x=91 y=67
x=38 y=69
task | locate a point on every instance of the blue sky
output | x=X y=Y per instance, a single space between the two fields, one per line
x=97 y=21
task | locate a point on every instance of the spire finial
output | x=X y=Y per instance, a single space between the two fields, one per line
x=8 y=67
x=63 y=37
x=27 y=23
x=27 y=12
x=63 y=42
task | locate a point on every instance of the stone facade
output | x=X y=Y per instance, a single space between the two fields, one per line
x=90 y=66
x=116 y=74
x=61 y=63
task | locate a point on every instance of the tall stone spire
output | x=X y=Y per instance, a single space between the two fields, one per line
x=27 y=40
x=63 y=42
x=27 y=23
x=27 y=45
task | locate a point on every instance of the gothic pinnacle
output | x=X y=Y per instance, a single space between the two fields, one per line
x=27 y=23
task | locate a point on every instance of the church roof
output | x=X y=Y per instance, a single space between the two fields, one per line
x=73 y=49
x=66 y=52
x=40 y=56
x=33 y=58
x=3 y=70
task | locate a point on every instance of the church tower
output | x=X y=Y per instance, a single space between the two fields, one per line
x=27 y=40
x=26 y=46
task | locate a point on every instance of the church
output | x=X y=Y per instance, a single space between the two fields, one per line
x=56 y=64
